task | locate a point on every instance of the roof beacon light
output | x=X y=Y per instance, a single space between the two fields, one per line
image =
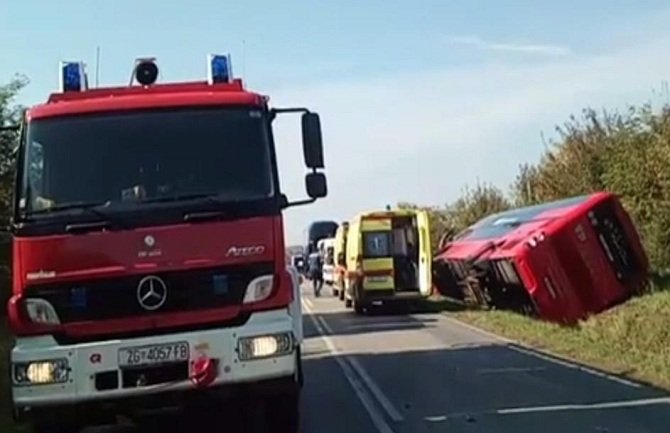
x=72 y=77
x=146 y=71
x=219 y=69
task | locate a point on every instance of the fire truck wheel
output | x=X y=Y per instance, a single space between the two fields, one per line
x=283 y=413
x=50 y=424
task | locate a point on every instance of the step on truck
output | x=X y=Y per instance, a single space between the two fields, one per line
x=148 y=251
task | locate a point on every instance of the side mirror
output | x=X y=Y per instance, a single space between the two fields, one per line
x=312 y=144
x=315 y=183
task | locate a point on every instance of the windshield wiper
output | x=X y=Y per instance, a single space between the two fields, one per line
x=211 y=196
x=93 y=208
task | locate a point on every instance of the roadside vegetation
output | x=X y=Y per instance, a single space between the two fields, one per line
x=9 y=114
x=631 y=340
x=626 y=153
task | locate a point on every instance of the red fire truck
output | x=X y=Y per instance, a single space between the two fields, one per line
x=148 y=252
x=560 y=260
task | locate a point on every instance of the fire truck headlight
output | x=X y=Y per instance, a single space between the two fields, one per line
x=41 y=311
x=265 y=346
x=259 y=289
x=41 y=372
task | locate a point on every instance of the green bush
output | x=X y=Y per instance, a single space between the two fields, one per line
x=625 y=153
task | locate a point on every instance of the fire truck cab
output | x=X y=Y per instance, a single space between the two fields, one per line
x=148 y=252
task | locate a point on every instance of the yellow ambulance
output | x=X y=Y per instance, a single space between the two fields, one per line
x=340 y=260
x=388 y=258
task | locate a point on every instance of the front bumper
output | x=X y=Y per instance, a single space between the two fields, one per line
x=88 y=361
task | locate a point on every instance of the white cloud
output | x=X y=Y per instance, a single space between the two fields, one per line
x=421 y=137
x=525 y=48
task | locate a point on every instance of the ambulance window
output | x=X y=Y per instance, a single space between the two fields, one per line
x=376 y=244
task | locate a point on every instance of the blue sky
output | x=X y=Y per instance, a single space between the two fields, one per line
x=417 y=98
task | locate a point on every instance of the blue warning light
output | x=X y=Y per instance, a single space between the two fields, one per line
x=219 y=69
x=72 y=77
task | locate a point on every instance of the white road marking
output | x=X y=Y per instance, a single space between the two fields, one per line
x=555 y=408
x=384 y=401
x=587 y=406
x=386 y=325
x=509 y=370
x=521 y=348
x=360 y=391
x=308 y=302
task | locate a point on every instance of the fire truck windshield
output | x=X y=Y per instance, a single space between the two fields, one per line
x=131 y=160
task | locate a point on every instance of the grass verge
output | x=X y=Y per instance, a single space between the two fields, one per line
x=631 y=340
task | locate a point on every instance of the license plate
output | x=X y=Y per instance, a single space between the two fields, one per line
x=153 y=354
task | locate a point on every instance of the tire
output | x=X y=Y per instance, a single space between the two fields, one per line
x=53 y=425
x=282 y=413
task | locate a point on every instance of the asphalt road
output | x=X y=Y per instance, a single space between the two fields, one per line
x=430 y=373
x=387 y=373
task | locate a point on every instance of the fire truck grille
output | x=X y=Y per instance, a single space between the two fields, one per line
x=162 y=292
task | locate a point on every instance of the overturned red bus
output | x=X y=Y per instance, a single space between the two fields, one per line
x=560 y=261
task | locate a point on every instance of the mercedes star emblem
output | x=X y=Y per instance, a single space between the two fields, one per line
x=149 y=241
x=151 y=293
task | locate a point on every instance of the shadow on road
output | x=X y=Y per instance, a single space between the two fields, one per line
x=348 y=323
x=491 y=387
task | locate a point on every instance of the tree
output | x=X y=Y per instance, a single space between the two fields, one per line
x=10 y=114
x=476 y=203
x=439 y=221
x=628 y=154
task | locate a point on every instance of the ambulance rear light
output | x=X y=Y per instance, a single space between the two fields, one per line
x=72 y=77
x=219 y=69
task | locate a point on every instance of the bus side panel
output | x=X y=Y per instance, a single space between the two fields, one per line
x=425 y=253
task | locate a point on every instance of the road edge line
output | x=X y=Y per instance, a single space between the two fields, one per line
x=377 y=418
x=376 y=391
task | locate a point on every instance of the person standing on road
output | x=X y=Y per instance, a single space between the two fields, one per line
x=316 y=272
